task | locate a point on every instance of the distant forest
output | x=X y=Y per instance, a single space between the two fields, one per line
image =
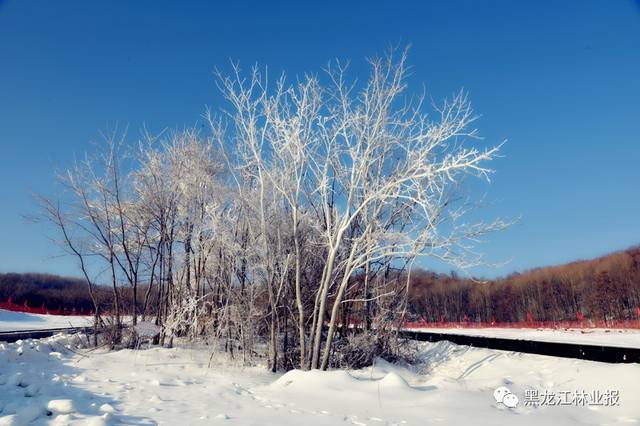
x=606 y=288
x=53 y=292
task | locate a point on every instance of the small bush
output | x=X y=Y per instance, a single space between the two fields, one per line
x=360 y=350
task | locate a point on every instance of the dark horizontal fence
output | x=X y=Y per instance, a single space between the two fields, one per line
x=611 y=354
x=556 y=325
x=13 y=336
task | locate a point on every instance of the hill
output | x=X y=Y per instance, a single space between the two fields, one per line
x=49 y=292
x=605 y=288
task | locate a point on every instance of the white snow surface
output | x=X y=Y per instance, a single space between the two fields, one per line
x=626 y=338
x=57 y=381
x=15 y=321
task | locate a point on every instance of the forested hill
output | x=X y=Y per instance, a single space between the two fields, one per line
x=45 y=290
x=605 y=288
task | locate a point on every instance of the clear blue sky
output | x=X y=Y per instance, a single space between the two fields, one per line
x=559 y=79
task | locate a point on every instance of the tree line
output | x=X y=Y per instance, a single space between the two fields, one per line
x=606 y=288
x=56 y=294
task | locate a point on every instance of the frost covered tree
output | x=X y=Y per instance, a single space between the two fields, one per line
x=289 y=221
x=378 y=175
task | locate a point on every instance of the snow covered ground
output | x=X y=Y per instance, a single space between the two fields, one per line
x=56 y=381
x=11 y=321
x=626 y=338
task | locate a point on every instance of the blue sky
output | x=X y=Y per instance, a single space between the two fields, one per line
x=559 y=80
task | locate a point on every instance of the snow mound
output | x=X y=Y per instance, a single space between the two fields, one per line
x=22 y=416
x=97 y=421
x=11 y=420
x=340 y=384
x=107 y=408
x=61 y=406
x=299 y=380
x=155 y=399
x=394 y=381
x=62 y=420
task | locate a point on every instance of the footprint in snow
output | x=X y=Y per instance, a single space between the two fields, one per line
x=31 y=390
x=356 y=422
x=155 y=399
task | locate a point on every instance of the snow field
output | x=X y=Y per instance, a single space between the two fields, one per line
x=56 y=381
x=11 y=321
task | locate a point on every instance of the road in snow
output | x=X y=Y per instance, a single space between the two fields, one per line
x=627 y=338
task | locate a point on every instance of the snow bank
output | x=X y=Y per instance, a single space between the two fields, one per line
x=337 y=384
x=455 y=385
x=37 y=388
